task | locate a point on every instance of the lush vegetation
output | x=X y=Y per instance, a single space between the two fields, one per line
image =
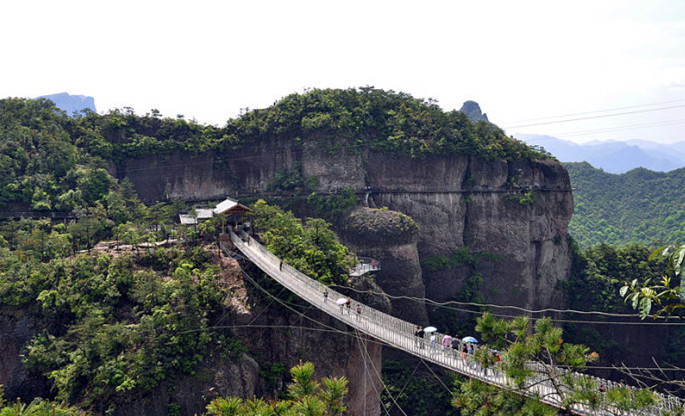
x=599 y=273
x=38 y=407
x=664 y=296
x=312 y=247
x=351 y=119
x=543 y=343
x=377 y=119
x=306 y=397
x=639 y=206
x=116 y=326
x=598 y=276
x=113 y=325
x=117 y=323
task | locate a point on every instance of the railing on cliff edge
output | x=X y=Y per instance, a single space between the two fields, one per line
x=400 y=334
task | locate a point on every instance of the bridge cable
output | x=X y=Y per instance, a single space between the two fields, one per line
x=411 y=377
x=532 y=311
x=249 y=278
x=365 y=354
x=443 y=384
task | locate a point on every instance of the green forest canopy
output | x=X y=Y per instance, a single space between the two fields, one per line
x=639 y=206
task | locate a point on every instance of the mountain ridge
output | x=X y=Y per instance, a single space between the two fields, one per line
x=71 y=104
x=613 y=156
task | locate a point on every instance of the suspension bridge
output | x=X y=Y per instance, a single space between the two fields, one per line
x=399 y=334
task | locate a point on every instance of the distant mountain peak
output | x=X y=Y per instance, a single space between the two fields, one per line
x=71 y=104
x=473 y=112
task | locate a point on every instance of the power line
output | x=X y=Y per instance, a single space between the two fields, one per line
x=624 y=127
x=594 y=117
x=598 y=111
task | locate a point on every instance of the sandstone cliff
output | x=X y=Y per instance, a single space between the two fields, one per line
x=516 y=211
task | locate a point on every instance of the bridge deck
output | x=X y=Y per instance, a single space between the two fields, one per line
x=400 y=334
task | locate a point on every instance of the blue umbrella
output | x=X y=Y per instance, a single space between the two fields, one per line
x=469 y=339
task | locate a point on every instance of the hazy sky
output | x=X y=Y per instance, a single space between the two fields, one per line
x=520 y=60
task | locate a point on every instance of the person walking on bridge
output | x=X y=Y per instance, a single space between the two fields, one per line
x=419 y=335
x=446 y=342
x=325 y=295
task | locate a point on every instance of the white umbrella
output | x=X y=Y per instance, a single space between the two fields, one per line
x=341 y=301
x=430 y=329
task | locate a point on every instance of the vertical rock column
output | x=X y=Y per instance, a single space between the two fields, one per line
x=390 y=237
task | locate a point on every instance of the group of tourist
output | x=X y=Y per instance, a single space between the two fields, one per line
x=452 y=345
x=448 y=344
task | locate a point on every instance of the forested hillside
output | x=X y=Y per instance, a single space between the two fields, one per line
x=104 y=325
x=127 y=321
x=639 y=206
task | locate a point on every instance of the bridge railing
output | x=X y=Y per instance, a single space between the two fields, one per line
x=400 y=334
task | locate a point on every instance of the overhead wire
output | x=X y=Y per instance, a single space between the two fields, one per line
x=568 y=120
x=447 y=304
x=623 y=127
x=599 y=111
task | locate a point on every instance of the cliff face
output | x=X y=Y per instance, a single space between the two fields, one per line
x=15 y=331
x=517 y=212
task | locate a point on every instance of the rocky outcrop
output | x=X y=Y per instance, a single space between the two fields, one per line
x=515 y=211
x=472 y=111
x=391 y=236
x=190 y=394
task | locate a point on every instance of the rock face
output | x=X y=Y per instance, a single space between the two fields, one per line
x=15 y=332
x=515 y=211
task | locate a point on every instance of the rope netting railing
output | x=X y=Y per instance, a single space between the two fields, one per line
x=400 y=334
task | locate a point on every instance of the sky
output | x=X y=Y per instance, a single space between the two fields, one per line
x=581 y=70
